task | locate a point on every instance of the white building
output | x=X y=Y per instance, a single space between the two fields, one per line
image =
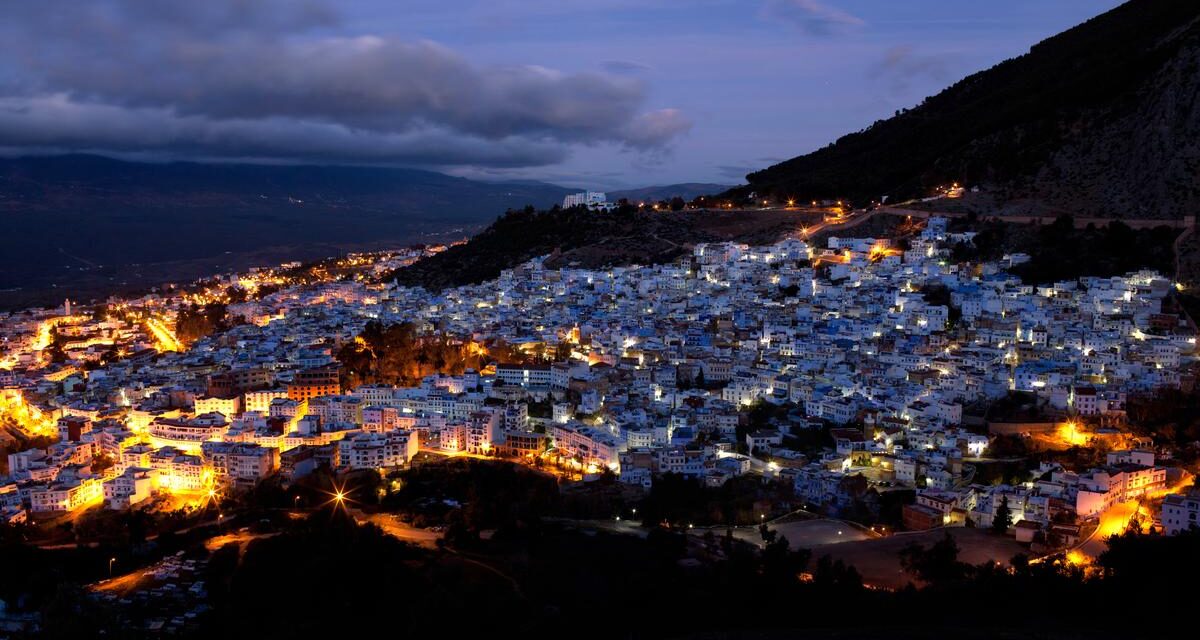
x=67 y=496
x=129 y=488
x=1180 y=512
x=378 y=450
x=239 y=462
x=591 y=199
x=591 y=446
x=534 y=375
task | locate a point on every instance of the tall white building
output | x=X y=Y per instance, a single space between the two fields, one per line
x=589 y=199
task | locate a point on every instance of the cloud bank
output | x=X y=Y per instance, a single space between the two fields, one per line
x=281 y=81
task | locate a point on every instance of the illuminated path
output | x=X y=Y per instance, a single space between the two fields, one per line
x=16 y=411
x=163 y=336
x=1113 y=520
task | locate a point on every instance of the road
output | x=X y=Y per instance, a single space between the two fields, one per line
x=405 y=532
x=163 y=336
x=1116 y=518
x=1080 y=223
x=853 y=219
x=398 y=529
x=1113 y=520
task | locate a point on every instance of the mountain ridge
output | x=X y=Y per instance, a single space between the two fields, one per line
x=685 y=190
x=1097 y=120
x=91 y=225
x=24 y=179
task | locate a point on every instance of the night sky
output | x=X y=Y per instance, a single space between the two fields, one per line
x=590 y=93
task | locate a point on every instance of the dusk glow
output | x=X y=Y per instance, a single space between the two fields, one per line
x=609 y=93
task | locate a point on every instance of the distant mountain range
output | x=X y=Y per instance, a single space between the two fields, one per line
x=88 y=225
x=52 y=184
x=1100 y=120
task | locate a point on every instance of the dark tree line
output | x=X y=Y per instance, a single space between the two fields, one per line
x=196 y=322
x=397 y=354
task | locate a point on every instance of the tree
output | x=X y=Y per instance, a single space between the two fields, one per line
x=936 y=565
x=55 y=351
x=768 y=534
x=195 y=322
x=1003 y=519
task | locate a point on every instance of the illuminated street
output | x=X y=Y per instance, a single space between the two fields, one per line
x=15 y=411
x=164 y=337
x=1113 y=521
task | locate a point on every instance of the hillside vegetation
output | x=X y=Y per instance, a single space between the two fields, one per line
x=588 y=239
x=1099 y=120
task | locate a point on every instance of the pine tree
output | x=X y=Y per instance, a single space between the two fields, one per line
x=1003 y=518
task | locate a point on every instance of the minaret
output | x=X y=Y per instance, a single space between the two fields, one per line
x=67 y=307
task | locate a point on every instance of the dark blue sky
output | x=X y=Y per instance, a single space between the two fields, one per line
x=595 y=93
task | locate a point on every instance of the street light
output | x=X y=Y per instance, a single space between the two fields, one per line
x=110 y=565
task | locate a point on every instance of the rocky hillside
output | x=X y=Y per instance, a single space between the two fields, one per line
x=1100 y=120
x=574 y=237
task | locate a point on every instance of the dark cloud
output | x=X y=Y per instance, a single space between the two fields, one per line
x=655 y=129
x=810 y=16
x=270 y=79
x=57 y=123
x=625 y=67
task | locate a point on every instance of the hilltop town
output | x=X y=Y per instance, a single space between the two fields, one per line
x=857 y=374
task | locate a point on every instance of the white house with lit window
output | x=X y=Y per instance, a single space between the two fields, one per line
x=240 y=462
x=131 y=487
x=1180 y=512
x=378 y=450
x=67 y=496
x=533 y=375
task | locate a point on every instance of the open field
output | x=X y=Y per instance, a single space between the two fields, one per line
x=878 y=559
